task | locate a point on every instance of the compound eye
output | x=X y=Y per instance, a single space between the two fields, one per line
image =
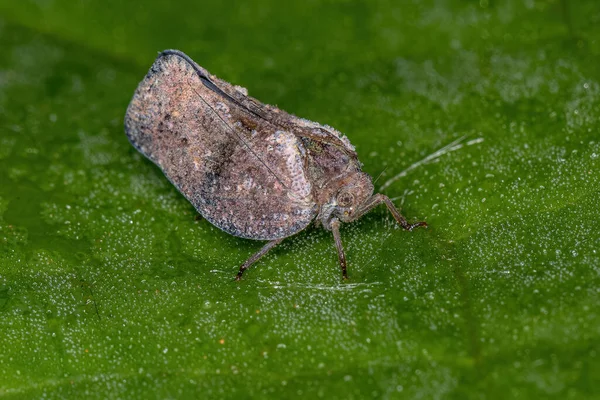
x=345 y=199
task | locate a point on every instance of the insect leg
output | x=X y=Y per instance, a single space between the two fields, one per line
x=379 y=198
x=335 y=228
x=256 y=257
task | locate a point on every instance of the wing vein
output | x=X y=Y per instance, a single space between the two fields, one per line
x=241 y=139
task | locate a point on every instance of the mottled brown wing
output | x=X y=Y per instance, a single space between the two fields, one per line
x=242 y=173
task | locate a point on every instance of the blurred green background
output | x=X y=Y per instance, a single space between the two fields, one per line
x=482 y=115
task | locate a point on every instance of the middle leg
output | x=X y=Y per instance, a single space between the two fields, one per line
x=256 y=256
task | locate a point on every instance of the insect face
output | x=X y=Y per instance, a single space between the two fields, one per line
x=351 y=196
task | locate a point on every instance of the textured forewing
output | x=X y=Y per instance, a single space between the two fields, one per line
x=239 y=171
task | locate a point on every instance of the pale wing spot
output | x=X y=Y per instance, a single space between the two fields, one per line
x=197 y=164
x=241 y=89
x=287 y=143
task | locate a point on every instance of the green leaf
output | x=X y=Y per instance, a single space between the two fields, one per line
x=481 y=117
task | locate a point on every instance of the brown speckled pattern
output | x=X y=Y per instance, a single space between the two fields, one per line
x=242 y=173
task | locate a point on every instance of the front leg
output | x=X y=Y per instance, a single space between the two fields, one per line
x=335 y=228
x=379 y=198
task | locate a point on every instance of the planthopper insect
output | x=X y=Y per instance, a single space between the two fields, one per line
x=250 y=169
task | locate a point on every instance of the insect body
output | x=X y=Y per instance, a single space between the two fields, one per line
x=250 y=169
